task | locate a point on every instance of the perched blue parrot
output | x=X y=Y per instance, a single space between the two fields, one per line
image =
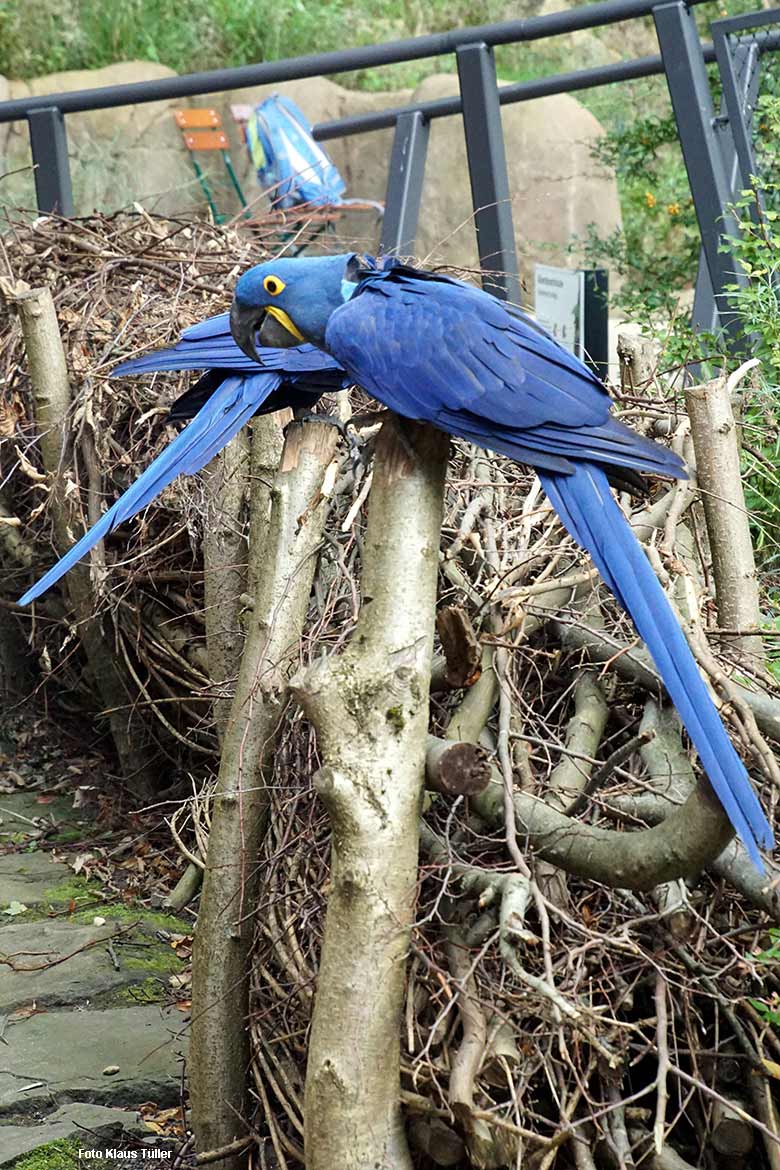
x=233 y=389
x=440 y=351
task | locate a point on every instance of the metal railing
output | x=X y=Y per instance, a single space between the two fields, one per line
x=341 y=61
x=682 y=58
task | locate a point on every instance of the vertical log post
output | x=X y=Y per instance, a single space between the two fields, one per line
x=283 y=568
x=370 y=709
x=716 y=444
x=51 y=395
x=224 y=563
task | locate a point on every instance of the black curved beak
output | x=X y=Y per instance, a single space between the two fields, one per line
x=244 y=324
x=250 y=324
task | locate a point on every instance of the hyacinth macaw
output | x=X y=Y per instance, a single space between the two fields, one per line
x=440 y=351
x=231 y=391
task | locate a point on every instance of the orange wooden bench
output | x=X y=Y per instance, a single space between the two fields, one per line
x=201 y=131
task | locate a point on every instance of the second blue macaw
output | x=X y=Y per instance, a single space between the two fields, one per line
x=443 y=352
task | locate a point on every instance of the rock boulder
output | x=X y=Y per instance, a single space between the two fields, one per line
x=117 y=156
x=556 y=188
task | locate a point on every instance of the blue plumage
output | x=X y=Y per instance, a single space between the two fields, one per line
x=440 y=351
x=234 y=389
x=590 y=513
x=209 y=344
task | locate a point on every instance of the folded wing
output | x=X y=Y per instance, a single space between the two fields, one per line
x=450 y=355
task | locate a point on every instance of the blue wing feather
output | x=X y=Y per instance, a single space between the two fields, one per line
x=222 y=417
x=283 y=377
x=456 y=357
x=589 y=511
x=448 y=354
x=209 y=345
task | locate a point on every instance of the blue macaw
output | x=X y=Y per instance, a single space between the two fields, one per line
x=443 y=352
x=233 y=389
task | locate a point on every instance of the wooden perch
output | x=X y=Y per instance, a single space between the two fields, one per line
x=52 y=400
x=283 y=570
x=226 y=480
x=716 y=443
x=369 y=706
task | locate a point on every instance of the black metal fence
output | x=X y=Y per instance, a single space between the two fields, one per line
x=682 y=58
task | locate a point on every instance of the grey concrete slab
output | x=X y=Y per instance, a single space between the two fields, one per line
x=63 y=1056
x=52 y=962
x=88 y=1123
x=25 y=878
x=17 y=809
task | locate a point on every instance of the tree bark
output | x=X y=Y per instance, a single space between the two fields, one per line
x=51 y=395
x=638 y=356
x=224 y=563
x=716 y=443
x=684 y=843
x=635 y=665
x=16 y=674
x=283 y=569
x=370 y=709
x=731 y=1133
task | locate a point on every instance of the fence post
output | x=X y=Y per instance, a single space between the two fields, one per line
x=686 y=75
x=404 y=184
x=739 y=96
x=730 y=126
x=487 y=170
x=49 y=145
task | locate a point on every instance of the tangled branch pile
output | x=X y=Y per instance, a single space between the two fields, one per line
x=548 y=1019
x=121 y=285
x=563 y=1010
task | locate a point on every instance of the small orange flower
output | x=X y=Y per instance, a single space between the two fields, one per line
x=673 y=208
x=649 y=198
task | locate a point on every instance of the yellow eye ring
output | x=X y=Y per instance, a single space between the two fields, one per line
x=273 y=285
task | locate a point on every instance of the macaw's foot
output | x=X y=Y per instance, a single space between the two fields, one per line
x=374 y=418
x=349 y=437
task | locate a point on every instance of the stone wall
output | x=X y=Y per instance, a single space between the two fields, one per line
x=135 y=154
x=117 y=156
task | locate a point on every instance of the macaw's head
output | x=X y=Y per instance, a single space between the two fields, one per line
x=289 y=300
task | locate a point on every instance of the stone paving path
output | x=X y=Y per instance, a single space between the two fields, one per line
x=85 y=1033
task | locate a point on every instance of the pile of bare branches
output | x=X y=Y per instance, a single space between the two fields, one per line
x=122 y=285
x=566 y=1004
x=550 y=1017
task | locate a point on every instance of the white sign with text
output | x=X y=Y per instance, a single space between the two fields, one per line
x=559 y=301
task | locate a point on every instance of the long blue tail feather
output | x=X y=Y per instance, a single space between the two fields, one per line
x=590 y=513
x=212 y=428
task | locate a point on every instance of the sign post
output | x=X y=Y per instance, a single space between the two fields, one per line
x=571 y=303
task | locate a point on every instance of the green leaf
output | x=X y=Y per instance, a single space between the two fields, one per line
x=15 y=908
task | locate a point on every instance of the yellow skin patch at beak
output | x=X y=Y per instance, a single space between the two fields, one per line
x=286 y=321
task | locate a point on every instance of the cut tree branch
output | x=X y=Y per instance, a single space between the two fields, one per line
x=51 y=397
x=370 y=709
x=224 y=564
x=716 y=444
x=688 y=839
x=283 y=572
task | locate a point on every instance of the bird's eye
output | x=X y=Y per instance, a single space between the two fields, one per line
x=273 y=285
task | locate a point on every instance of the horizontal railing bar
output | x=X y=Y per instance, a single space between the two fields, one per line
x=733 y=24
x=521 y=91
x=344 y=61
